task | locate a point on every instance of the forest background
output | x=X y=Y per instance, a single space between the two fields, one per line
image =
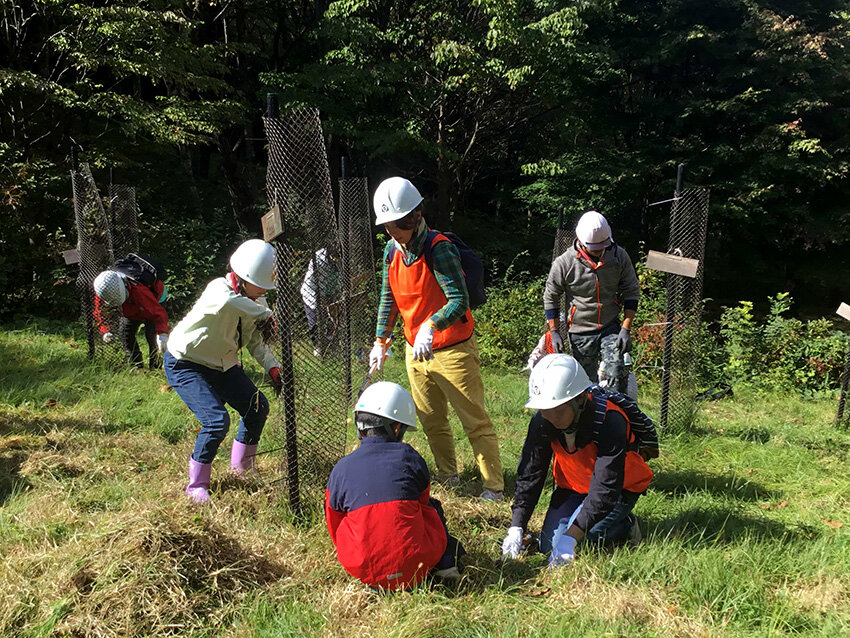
x=504 y=113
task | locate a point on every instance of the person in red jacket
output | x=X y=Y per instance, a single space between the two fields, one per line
x=134 y=285
x=388 y=531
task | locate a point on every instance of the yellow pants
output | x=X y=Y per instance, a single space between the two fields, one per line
x=454 y=375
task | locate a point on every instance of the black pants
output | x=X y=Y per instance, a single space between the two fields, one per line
x=128 y=329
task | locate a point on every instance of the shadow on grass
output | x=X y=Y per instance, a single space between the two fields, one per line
x=40 y=424
x=703 y=527
x=680 y=484
x=11 y=481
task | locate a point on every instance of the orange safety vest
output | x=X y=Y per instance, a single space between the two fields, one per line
x=573 y=471
x=418 y=296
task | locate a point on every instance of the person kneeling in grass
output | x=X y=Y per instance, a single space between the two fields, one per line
x=388 y=531
x=202 y=362
x=600 y=442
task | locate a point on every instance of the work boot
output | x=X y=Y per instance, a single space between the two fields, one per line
x=199 y=481
x=242 y=459
x=450 y=574
x=448 y=481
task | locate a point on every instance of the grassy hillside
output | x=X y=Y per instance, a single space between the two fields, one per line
x=747 y=525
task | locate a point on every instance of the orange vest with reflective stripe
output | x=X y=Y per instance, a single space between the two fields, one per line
x=573 y=471
x=418 y=296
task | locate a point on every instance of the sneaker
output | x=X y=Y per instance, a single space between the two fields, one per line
x=491 y=495
x=450 y=573
x=635 y=533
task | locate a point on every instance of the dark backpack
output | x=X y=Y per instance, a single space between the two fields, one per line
x=140 y=268
x=473 y=267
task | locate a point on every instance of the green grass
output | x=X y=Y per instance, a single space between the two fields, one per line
x=747 y=524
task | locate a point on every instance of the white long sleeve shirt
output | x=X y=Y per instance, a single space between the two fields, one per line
x=209 y=333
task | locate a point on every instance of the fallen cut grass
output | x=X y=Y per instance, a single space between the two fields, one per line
x=746 y=526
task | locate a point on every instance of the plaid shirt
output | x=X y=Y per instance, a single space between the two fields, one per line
x=447 y=270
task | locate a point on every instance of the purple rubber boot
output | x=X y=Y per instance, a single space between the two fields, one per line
x=242 y=459
x=199 y=481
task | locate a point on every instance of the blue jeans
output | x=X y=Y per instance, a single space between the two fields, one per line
x=206 y=391
x=615 y=526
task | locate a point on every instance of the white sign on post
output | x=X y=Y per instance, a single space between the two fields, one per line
x=272 y=224
x=843 y=311
x=674 y=264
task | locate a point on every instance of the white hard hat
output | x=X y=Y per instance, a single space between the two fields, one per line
x=389 y=400
x=394 y=198
x=593 y=231
x=110 y=287
x=253 y=261
x=555 y=380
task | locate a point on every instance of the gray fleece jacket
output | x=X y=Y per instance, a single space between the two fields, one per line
x=596 y=292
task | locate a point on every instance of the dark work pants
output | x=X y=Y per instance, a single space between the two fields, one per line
x=454 y=550
x=590 y=349
x=127 y=329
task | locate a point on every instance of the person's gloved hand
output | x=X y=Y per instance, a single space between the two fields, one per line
x=557 y=341
x=423 y=345
x=277 y=384
x=512 y=545
x=648 y=452
x=624 y=341
x=563 y=552
x=107 y=337
x=161 y=342
x=376 y=356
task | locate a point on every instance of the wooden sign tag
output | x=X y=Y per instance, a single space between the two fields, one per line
x=843 y=311
x=71 y=257
x=272 y=224
x=674 y=264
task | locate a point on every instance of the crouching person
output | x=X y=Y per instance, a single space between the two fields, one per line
x=202 y=362
x=600 y=443
x=388 y=531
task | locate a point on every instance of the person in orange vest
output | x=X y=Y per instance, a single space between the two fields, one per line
x=424 y=283
x=598 y=444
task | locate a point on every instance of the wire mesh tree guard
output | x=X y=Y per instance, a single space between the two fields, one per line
x=842 y=416
x=564 y=238
x=683 y=323
x=316 y=269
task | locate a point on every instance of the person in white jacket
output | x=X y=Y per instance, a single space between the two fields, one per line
x=202 y=362
x=320 y=287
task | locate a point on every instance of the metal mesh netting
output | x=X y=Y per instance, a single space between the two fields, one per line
x=842 y=416
x=123 y=224
x=358 y=258
x=688 y=225
x=564 y=237
x=310 y=308
x=95 y=246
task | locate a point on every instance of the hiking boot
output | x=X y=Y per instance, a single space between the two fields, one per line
x=448 y=481
x=242 y=459
x=635 y=533
x=491 y=495
x=199 y=481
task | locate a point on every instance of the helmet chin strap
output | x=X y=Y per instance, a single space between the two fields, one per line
x=570 y=432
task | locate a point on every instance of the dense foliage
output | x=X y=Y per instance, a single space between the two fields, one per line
x=505 y=113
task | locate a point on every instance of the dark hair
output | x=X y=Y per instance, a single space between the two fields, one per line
x=373 y=424
x=409 y=221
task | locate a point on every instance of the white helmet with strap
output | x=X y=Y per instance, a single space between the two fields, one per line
x=556 y=379
x=388 y=400
x=394 y=198
x=253 y=261
x=111 y=288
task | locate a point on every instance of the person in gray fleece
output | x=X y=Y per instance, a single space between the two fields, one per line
x=599 y=280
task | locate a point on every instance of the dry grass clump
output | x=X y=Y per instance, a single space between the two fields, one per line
x=820 y=595
x=154 y=572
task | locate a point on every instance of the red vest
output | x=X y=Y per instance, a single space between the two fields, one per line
x=418 y=296
x=573 y=471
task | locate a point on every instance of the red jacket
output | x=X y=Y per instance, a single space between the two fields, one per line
x=378 y=514
x=142 y=304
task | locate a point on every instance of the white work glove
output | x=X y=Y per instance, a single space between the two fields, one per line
x=564 y=551
x=161 y=341
x=423 y=345
x=376 y=356
x=512 y=545
x=107 y=337
x=557 y=341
